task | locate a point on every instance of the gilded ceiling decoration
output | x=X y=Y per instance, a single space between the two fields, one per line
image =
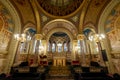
x=60 y=7
x=60 y=34
x=59 y=37
x=21 y=2
x=75 y=18
x=94 y=10
x=24 y=9
x=60 y=24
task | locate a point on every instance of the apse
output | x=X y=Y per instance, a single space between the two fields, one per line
x=59 y=42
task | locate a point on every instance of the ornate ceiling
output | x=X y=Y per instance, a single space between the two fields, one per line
x=71 y=10
x=59 y=37
x=59 y=34
x=60 y=7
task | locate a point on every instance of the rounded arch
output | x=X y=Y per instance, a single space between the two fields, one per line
x=14 y=14
x=104 y=15
x=63 y=20
x=101 y=29
x=29 y=25
x=88 y=29
x=17 y=29
x=90 y=26
x=59 y=30
x=60 y=23
x=50 y=33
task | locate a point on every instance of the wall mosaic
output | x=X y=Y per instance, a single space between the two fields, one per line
x=112 y=28
x=6 y=28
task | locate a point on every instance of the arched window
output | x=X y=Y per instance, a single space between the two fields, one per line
x=59 y=47
x=53 y=47
x=48 y=47
x=65 y=47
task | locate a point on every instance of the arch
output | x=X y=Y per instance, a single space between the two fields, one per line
x=60 y=23
x=101 y=26
x=15 y=16
x=30 y=27
x=105 y=14
x=59 y=30
x=17 y=29
x=90 y=26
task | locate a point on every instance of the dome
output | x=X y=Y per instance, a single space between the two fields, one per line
x=60 y=7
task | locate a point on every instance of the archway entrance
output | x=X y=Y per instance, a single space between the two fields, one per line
x=59 y=46
x=59 y=42
x=59 y=35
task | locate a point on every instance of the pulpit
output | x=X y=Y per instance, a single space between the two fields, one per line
x=59 y=61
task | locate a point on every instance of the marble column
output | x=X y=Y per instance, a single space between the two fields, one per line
x=82 y=52
x=89 y=49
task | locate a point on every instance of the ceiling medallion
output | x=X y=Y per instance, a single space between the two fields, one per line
x=60 y=8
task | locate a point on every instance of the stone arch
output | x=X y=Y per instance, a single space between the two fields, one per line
x=59 y=30
x=13 y=44
x=101 y=29
x=14 y=13
x=105 y=14
x=29 y=25
x=60 y=23
x=89 y=27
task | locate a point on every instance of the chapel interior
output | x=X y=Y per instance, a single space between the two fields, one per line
x=59 y=39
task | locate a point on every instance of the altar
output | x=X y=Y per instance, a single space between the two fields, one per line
x=59 y=61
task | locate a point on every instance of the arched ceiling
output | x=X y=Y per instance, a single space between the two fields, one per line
x=59 y=34
x=60 y=23
x=59 y=37
x=60 y=7
x=70 y=10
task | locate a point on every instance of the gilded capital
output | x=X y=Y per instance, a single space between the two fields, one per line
x=80 y=36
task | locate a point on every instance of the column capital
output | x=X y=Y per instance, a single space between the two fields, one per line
x=38 y=36
x=80 y=36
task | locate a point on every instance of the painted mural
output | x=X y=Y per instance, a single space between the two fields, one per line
x=112 y=27
x=6 y=28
